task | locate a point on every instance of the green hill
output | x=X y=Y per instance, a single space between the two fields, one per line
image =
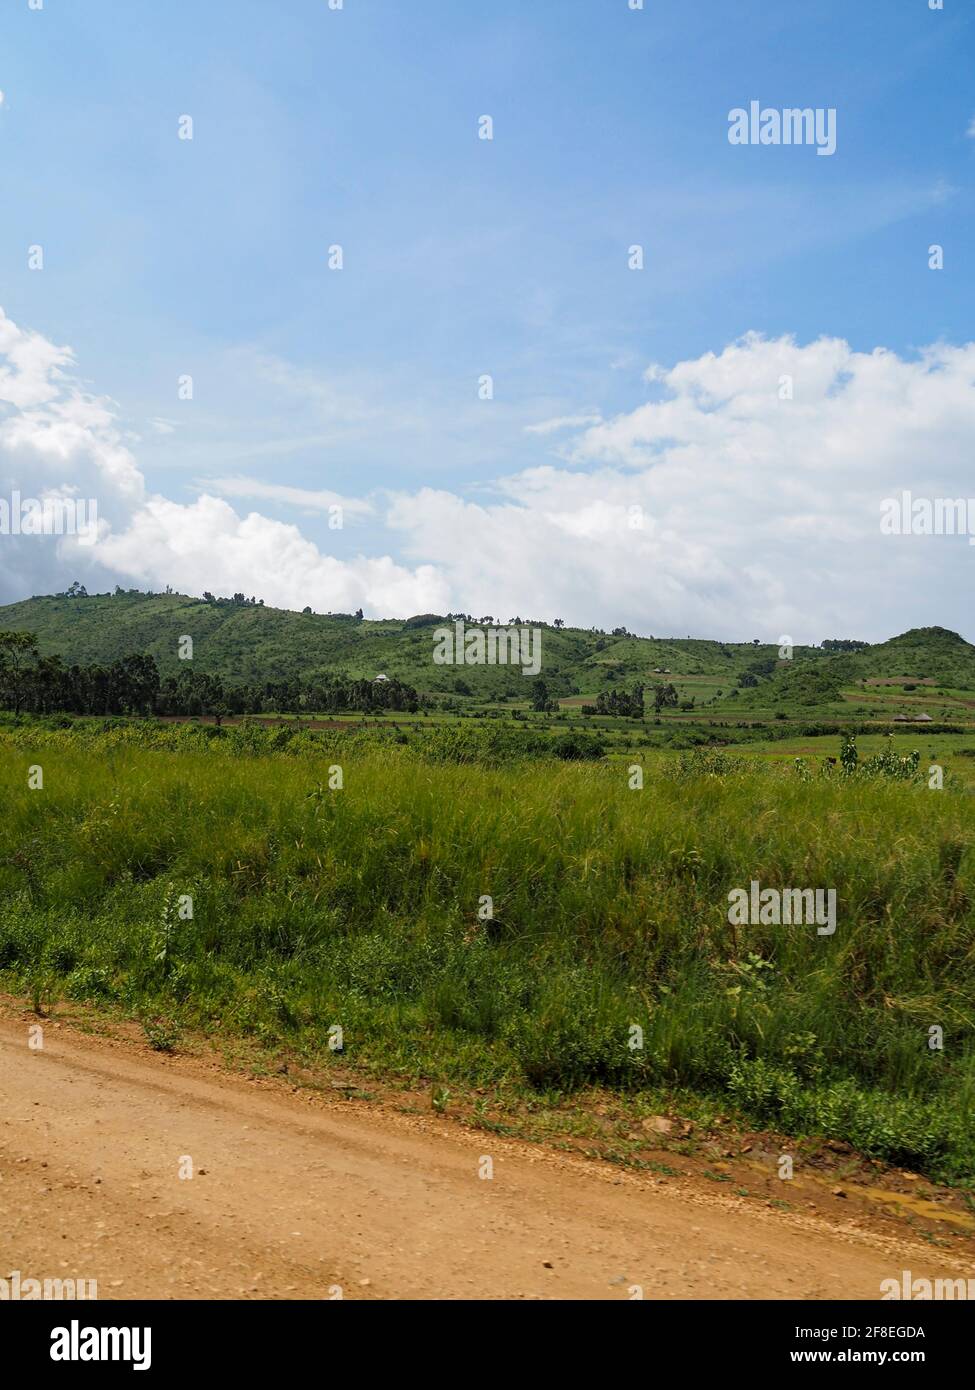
x=924 y=664
x=801 y=684
x=932 y=653
x=245 y=642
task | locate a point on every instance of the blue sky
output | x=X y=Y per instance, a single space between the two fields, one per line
x=358 y=126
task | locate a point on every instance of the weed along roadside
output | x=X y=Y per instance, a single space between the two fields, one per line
x=472 y=914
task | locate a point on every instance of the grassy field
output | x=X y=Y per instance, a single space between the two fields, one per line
x=363 y=907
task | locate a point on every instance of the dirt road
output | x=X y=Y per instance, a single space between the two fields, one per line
x=293 y=1197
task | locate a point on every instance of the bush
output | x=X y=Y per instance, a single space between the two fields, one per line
x=577 y=747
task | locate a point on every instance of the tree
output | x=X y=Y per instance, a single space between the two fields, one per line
x=539 y=696
x=209 y=693
x=622 y=703
x=17 y=651
x=135 y=683
x=664 y=697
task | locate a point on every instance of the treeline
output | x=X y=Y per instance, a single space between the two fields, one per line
x=236 y=601
x=32 y=684
x=629 y=704
x=625 y=703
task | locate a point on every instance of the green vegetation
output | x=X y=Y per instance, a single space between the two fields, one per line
x=34 y=684
x=315 y=905
x=242 y=642
x=251 y=642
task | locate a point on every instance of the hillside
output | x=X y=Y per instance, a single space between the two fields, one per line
x=243 y=642
x=932 y=653
x=801 y=683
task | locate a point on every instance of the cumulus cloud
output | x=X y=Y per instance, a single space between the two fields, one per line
x=57 y=440
x=742 y=499
x=747 y=497
x=207 y=545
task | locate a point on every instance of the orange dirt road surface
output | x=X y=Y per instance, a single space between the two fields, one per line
x=296 y=1197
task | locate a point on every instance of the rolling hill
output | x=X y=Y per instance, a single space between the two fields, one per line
x=245 y=642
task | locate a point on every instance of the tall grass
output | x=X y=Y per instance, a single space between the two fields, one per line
x=359 y=907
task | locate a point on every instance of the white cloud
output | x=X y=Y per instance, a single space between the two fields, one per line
x=563 y=422
x=32 y=372
x=309 y=500
x=207 y=545
x=758 y=515
x=57 y=440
